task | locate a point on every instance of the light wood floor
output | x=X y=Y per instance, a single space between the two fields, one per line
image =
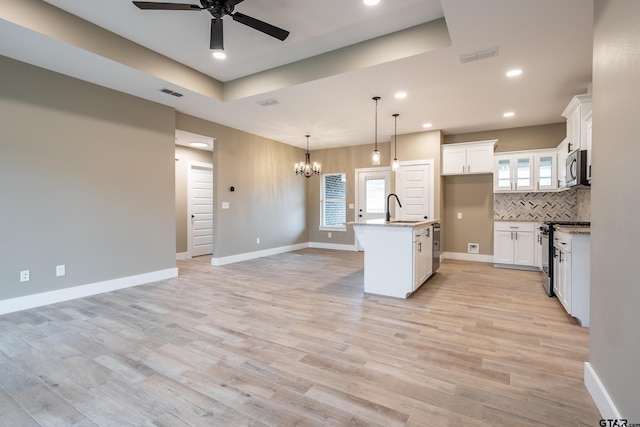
x=292 y=340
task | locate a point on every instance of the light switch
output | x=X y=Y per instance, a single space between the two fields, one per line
x=225 y=205
x=459 y=215
x=351 y=206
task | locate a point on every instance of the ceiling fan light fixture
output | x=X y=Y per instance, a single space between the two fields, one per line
x=371 y=2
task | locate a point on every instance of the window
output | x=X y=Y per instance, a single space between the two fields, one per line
x=333 y=200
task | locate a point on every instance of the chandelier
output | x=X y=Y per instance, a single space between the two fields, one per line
x=305 y=168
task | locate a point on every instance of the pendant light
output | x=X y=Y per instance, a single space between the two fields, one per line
x=395 y=164
x=305 y=168
x=375 y=157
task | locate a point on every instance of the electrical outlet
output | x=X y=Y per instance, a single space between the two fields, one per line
x=24 y=276
x=257 y=240
x=329 y=234
x=473 y=248
x=459 y=215
x=61 y=270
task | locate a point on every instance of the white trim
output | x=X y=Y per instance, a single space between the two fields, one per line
x=52 y=297
x=467 y=257
x=257 y=254
x=191 y=164
x=517 y=267
x=599 y=394
x=183 y=255
x=334 y=246
x=327 y=228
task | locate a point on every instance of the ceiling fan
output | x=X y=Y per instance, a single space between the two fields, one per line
x=218 y=9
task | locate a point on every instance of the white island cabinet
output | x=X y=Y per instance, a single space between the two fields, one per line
x=398 y=255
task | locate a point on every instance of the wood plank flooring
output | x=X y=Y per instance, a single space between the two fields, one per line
x=291 y=339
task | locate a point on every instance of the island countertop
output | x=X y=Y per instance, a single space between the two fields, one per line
x=396 y=223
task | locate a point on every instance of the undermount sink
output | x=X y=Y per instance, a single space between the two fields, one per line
x=404 y=221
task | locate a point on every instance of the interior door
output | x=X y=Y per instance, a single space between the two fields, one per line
x=373 y=188
x=200 y=209
x=414 y=186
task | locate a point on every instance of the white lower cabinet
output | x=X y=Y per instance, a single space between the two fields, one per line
x=422 y=255
x=571 y=282
x=513 y=243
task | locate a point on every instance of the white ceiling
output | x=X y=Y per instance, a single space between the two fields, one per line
x=550 y=40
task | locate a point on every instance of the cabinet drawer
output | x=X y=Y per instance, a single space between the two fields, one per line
x=513 y=226
x=562 y=241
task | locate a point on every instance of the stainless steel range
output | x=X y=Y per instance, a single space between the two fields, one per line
x=546 y=235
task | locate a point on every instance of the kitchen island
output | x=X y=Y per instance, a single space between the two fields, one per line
x=398 y=255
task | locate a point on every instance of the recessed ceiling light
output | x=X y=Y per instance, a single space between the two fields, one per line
x=514 y=72
x=509 y=114
x=371 y=2
x=218 y=54
x=198 y=144
x=400 y=95
x=426 y=125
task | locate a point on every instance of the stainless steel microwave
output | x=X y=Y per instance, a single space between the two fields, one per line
x=577 y=168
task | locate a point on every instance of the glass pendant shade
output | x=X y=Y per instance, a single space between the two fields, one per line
x=375 y=157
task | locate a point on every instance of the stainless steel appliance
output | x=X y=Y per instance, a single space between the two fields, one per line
x=546 y=234
x=577 y=168
x=436 y=246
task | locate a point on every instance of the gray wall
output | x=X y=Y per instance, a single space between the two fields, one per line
x=615 y=230
x=86 y=180
x=269 y=199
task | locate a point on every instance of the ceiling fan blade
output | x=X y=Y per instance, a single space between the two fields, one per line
x=149 y=5
x=217 y=36
x=269 y=29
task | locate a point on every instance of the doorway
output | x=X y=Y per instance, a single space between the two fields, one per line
x=414 y=187
x=372 y=187
x=200 y=209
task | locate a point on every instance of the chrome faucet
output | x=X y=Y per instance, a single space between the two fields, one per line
x=399 y=204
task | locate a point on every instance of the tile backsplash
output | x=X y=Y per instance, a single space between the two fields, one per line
x=570 y=205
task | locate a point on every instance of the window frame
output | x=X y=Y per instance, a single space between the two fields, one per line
x=323 y=200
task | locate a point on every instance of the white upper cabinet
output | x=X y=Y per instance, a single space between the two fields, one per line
x=576 y=113
x=514 y=172
x=533 y=170
x=546 y=170
x=589 y=142
x=468 y=158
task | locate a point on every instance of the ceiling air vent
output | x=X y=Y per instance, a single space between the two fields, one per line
x=170 y=92
x=267 y=102
x=483 y=54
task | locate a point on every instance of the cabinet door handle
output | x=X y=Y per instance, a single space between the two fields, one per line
x=538 y=185
x=468 y=168
x=516 y=235
x=419 y=246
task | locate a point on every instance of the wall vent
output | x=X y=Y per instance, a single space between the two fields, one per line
x=482 y=54
x=267 y=102
x=170 y=92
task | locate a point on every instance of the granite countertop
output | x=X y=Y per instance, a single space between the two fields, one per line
x=574 y=229
x=392 y=223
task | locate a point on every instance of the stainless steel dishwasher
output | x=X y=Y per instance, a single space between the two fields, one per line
x=436 y=246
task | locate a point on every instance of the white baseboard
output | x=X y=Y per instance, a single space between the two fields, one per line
x=335 y=246
x=52 y=297
x=182 y=255
x=257 y=254
x=467 y=257
x=599 y=394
